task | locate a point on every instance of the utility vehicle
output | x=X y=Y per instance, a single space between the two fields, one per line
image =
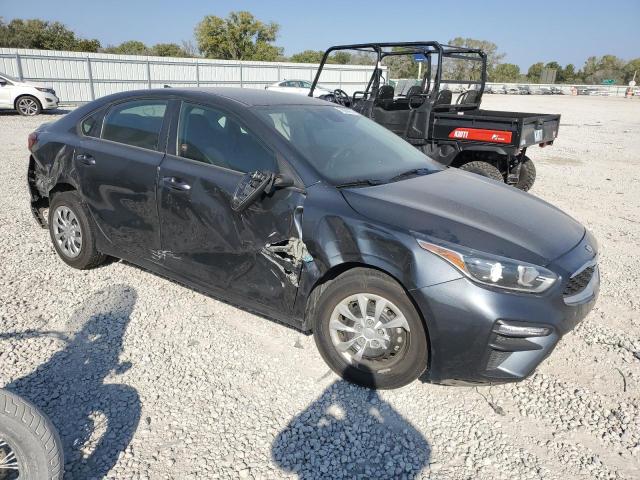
x=455 y=132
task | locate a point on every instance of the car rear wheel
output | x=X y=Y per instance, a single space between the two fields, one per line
x=483 y=168
x=368 y=331
x=28 y=106
x=72 y=232
x=527 y=174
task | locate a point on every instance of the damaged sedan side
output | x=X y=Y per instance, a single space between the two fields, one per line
x=314 y=215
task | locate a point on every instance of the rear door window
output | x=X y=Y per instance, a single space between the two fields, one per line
x=136 y=123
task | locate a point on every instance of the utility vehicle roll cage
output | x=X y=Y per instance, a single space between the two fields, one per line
x=427 y=49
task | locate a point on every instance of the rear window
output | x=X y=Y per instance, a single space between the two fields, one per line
x=137 y=123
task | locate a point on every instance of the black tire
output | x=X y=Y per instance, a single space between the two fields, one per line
x=484 y=169
x=31 y=436
x=35 y=108
x=527 y=174
x=88 y=256
x=415 y=353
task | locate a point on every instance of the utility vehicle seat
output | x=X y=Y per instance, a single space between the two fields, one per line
x=414 y=90
x=416 y=101
x=443 y=100
x=468 y=97
x=385 y=96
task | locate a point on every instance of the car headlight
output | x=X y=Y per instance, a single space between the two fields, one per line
x=46 y=90
x=494 y=270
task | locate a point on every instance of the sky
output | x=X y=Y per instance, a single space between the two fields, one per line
x=566 y=31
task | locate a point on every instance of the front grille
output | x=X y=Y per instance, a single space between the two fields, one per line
x=578 y=283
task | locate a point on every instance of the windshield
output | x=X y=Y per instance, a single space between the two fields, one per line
x=9 y=77
x=343 y=145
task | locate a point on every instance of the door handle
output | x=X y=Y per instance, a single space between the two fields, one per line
x=176 y=184
x=86 y=159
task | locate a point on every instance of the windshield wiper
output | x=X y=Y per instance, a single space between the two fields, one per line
x=362 y=182
x=410 y=173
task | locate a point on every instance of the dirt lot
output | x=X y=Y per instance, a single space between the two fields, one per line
x=145 y=378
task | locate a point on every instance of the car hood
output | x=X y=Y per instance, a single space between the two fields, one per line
x=467 y=209
x=29 y=84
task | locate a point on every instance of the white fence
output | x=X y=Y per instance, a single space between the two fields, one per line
x=80 y=77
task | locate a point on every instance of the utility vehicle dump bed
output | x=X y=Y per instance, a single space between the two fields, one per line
x=514 y=129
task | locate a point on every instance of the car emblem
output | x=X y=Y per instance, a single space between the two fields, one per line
x=588 y=248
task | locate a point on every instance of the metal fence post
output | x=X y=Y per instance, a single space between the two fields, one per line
x=197 y=73
x=149 y=74
x=278 y=74
x=90 y=75
x=19 y=67
x=241 y=86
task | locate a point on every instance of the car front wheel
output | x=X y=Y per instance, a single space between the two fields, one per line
x=368 y=331
x=28 y=106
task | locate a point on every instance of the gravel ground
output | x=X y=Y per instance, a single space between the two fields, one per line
x=145 y=378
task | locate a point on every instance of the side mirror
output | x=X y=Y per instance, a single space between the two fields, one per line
x=253 y=184
x=2 y=82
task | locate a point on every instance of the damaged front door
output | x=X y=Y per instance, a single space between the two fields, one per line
x=255 y=253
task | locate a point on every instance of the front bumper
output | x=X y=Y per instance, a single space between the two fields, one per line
x=50 y=101
x=462 y=317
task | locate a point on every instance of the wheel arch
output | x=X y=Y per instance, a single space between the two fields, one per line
x=488 y=154
x=62 y=186
x=22 y=95
x=337 y=269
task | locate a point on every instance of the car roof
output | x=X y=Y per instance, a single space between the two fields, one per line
x=247 y=96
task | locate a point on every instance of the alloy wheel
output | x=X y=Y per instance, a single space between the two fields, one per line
x=67 y=231
x=369 y=330
x=9 y=465
x=27 y=106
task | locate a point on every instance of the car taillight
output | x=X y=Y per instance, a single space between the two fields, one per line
x=32 y=140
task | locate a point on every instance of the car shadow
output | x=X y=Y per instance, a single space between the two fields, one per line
x=350 y=432
x=96 y=420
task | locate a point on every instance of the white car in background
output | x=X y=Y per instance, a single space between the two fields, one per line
x=301 y=87
x=26 y=98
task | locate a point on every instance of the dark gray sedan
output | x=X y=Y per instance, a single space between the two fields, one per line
x=307 y=212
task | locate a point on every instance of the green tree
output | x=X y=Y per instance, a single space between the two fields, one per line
x=534 y=72
x=505 y=72
x=130 y=47
x=315 y=56
x=43 y=35
x=341 y=58
x=307 y=56
x=607 y=67
x=168 y=50
x=630 y=70
x=469 y=70
x=84 y=45
x=240 y=36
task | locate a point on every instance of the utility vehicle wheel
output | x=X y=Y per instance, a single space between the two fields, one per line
x=72 y=231
x=368 y=331
x=28 y=106
x=483 y=168
x=527 y=174
x=30 y=447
